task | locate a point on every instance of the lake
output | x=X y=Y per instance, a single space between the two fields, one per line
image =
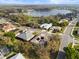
x=39 y=13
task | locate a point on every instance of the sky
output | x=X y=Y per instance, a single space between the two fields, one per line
x=39 y=1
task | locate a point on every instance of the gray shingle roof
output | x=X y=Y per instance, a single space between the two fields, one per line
x=4 y=50
x=27 y=35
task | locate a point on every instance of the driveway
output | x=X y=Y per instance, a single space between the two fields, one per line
x=66 y=38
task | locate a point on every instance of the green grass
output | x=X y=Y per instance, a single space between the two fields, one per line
x=75 y=33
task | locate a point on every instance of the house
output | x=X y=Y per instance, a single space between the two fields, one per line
x=56 y=29
x=26 y=35
x=41 y=39
x=46 y=26
x=4 y=50
x=6 y=27
x=2 y=20
x=18 y=56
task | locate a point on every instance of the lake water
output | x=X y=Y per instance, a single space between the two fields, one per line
x=47 y=13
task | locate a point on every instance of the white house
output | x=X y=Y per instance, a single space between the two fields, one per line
x=46 y=26
x=18 y=56
x=26 y=35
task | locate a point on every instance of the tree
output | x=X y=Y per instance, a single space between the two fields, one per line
x=71 y=53
x=11 y=35
x=63 y=24
x=77 y=23
x=32 y=53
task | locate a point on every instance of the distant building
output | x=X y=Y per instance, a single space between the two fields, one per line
x=46 y=26
x=6 y=27
x=14 y=13
x=26 y=35
x=18 y=56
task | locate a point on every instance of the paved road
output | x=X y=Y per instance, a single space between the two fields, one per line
x=66 y=39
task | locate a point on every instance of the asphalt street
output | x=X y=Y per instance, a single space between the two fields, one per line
x=66 y=38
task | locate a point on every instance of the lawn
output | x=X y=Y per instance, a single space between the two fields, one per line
x=76 y=35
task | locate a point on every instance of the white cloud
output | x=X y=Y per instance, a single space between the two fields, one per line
x=21 y=2
x=55 y=1
x=36 y=2
x=11 y=1
x=39 y=1
x=64 y=1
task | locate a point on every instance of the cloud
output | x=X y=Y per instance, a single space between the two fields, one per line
x=39 y=1
x=22 y=1
x=54 y=1
x=64 y=1
x=12 y=1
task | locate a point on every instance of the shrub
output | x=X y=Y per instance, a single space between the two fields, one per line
x=11 y=35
